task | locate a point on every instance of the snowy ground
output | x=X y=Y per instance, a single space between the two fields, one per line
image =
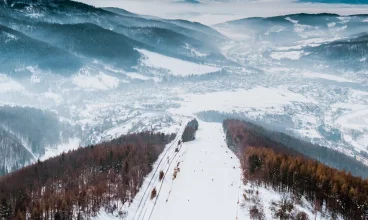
x=208 y=184
x=174 y=66
x=206 y=187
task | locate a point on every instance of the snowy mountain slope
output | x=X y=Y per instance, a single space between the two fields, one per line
x=24 y=51
x=208 y=180
x=203 y=180
x=94 y=35
x=321 y=50
x=345 y=53
x=293 y=27
x=27 y=134
x=172 y=66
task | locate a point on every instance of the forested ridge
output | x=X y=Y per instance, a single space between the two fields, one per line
x=77 y=184
x=241 y=134
x=341 y=193
x=283 y=168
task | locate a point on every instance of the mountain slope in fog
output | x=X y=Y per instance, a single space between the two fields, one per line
x=18 y=51
x=112 y=35
x=26 y=133
x=344 y=53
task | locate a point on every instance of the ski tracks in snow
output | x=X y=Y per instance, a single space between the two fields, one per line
x=142 y=202
x=207 y=185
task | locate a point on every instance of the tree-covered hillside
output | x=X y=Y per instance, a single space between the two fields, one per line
x=77 y=184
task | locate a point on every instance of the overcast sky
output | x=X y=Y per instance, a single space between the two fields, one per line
x=212 y=13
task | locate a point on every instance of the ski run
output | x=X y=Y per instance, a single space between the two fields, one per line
x=203 y=180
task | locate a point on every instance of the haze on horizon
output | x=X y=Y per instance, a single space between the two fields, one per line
x=213 y=12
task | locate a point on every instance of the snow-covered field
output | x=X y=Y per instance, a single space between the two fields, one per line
x=7 y=85
x=100 y=81
x=273 y=99
x=174 y=66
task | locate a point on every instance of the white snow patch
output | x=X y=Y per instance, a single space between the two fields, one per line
x=72 y=144
x=194 y=52
x=291 y=20
x=332 y=24
x=325 y=76
x=103 y=215
x=343 y=19
x=9 y=85
x=240 y=100
x=275 y=29
x=356 y=119
x=99 y=81
x=35 y=78
x=313 y=42
x=11 y=37
x=174 y=66
x=341 y=28
x=291 y=55
x=58 y=99
x=127 y=126
x=137 y=76
x=363 y=141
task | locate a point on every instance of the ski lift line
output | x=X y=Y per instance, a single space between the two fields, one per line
x=173 y=180
x=166 y=171
x=158 y=166
x=158 y=194
x=147 y=198
x=150 y=183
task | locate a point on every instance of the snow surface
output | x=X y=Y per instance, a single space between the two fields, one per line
x=51 y=96
x=174 y=66
x=239 y=100
x=72 y=144
x=8 y=85
x=11 y=37
x=326 y=76
x=208 y=184
x=292 y=55
x=355 y=120
x=152 y=121
x=137 y=76
x=98 y=81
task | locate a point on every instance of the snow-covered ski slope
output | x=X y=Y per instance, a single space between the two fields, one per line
x=208 y=184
